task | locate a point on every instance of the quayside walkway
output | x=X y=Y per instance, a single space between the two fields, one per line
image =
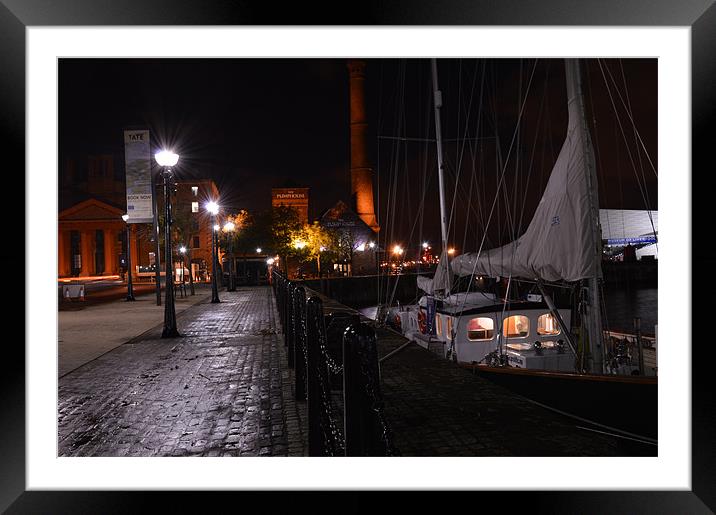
x=225 y=389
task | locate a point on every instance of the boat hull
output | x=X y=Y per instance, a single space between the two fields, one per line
x=626 y=403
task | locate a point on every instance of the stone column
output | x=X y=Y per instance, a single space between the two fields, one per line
x=361 y=172
x=110 y=259
x=87 y=252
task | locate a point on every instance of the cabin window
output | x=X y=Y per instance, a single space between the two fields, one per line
x=448 y=332
x=516 y=326
x=547 y=325
x=438 y=325
x=481 y=328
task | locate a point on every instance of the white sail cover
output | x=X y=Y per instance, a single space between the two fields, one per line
x=559 y=242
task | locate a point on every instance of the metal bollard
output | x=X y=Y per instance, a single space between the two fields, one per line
x=359 y=371
x=314 y=326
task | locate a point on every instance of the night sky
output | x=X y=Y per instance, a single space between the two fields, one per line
x=254 y=124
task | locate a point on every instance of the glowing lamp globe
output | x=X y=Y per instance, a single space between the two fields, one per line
x=166 y=158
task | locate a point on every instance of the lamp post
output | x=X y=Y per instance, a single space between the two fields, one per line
x=168 y=159
x=130 y=286
x=182 y=251
x=229 y=229
x=213 y=208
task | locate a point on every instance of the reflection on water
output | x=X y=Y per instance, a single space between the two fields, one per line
x=621 y=305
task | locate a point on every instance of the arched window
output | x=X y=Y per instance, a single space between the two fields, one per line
x=516 y=326
x=480 y=328
x=547 y=325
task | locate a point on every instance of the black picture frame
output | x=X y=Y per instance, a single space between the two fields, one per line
x=700 y=15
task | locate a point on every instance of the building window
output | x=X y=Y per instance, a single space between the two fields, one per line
x=547 y=325
x=481 y=328
x=516 y=326
x=195 y=242
x=194 y=207
x=195 y=191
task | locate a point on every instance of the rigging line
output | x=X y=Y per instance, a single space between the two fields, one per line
x=524 y=101
x=534 y=147
x=629 y=113
x=644 y=197
x=648 y=202
x=461 y=153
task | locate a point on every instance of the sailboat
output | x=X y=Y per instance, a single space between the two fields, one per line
x=551 y=352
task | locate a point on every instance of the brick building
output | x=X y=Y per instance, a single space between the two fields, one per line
x=92 y=234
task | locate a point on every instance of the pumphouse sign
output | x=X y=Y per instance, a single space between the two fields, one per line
x=138 y=171
x=296 y=198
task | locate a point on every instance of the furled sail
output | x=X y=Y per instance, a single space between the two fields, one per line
x=442 y=279
x=559 y=244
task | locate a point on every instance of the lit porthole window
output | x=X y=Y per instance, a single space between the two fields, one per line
x=516 y=326
x=547 y=325
x=480 y=328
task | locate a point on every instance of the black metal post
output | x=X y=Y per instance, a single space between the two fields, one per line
x=130 y=286
x=232 y=285
x=290 y=323
x=170 y=318
x=299 y=360
x=314 y=325
x=214 y=267
x=358 y=372
x=157 y=250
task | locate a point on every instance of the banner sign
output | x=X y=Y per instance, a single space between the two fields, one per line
x=633 y=241
x=138 y=171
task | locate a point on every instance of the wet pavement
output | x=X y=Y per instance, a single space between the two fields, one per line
x=219 y=390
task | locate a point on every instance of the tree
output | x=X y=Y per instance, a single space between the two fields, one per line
x=284 y=224
x=314 y=242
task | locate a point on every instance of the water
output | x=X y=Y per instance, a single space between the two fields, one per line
x=622 y=305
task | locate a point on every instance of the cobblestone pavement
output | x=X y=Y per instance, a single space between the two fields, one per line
x=222 y=389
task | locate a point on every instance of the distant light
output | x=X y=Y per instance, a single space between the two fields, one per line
x=212 y=207
x=229 y=226
x=270 y=261
x=166 y=158
x=182 y=249
x=258 y=251
x=361 y=247
x=451 y=251
x=371 y=244
x=216 y=227
x=321 y=248
x=397 y=250
x=425 y=245
x=299 y=244
x=125 y=217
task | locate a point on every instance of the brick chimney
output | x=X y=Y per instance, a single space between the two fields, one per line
x=361 y=172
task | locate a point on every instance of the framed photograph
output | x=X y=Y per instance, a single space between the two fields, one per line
x=41 y=42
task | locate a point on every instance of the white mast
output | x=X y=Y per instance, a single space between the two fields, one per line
x=437 y=95
x=593 y=323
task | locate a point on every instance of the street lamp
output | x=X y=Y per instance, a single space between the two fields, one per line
x=213 y=208
x=229 y=228
x=130 y=286
x=167 y=159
